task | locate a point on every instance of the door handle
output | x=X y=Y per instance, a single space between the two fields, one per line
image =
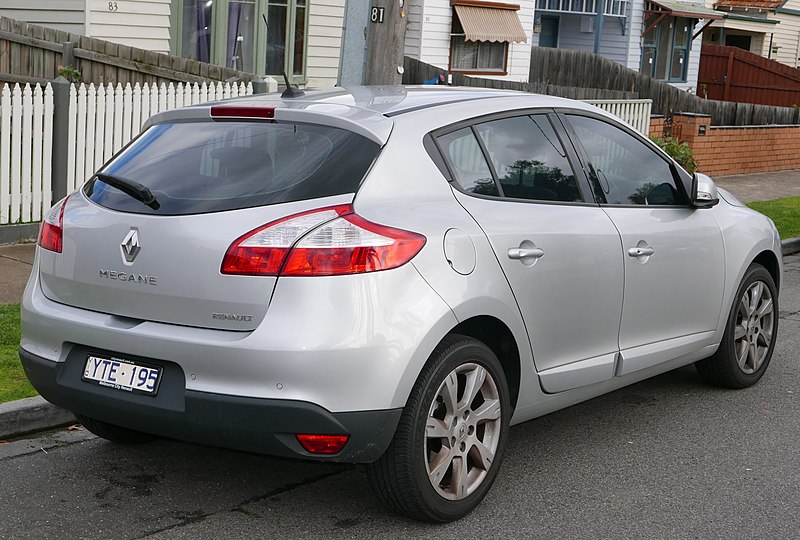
x=641 y=251
x=525 y=253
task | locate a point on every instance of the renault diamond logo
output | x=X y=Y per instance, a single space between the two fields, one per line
x=131 y=246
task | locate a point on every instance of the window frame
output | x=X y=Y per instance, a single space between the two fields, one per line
x=683 y=180
x=219 y=30
x=454 y=34
x=671 y=48
x=444 y=165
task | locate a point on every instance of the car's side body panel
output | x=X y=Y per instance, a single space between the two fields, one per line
x=678 y=289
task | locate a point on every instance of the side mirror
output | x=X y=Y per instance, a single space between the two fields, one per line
x=704 y=191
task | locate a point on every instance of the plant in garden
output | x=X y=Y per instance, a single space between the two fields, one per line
x=71 y=74
x=679 y=151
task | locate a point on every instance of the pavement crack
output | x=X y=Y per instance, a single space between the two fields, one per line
x=16 y=260
x=189 y=518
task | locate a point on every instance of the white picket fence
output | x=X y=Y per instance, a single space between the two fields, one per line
x=102 y=119
x=635 y=112
x=26 y=135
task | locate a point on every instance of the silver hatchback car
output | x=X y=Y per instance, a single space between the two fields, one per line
x=388 y=276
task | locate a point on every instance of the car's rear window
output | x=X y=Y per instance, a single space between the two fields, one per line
x=202 y=167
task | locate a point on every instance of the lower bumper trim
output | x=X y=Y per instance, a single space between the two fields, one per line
x=264 y=426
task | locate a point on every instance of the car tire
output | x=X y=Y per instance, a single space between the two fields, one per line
x=750 y=332
x=442 y=437
x=113 y=433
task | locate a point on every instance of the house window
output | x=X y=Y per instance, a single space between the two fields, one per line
x=665 y=49
x=232 y=33
x=197 y=21
x=481 y=34
x=476 y=56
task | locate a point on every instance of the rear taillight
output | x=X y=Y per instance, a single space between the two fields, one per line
x=325 y=242
x=322 y=444
x=51 y=233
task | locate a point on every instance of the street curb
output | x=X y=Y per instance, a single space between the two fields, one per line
x=30 y=415
x=790 y=246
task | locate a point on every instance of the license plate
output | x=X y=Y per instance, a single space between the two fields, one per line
x=122 y=374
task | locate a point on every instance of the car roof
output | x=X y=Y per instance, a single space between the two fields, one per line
x=367 y=110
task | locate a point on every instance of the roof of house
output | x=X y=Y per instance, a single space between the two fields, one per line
x=763 y=4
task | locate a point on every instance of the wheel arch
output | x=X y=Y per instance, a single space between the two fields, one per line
x=496 y=335
x=769 y=260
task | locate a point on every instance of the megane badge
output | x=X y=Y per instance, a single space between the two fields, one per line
x=131 y=246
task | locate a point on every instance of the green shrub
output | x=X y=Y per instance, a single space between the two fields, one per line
x=679 y=151
x=71 y=74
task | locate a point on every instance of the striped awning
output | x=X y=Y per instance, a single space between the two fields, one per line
x=490 y=24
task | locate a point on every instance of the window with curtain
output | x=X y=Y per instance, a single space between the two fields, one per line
x=477 y=56
x=197 y=27
x=232 y=33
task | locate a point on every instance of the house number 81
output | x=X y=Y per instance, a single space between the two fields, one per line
x=376 y=14
x=112 y=6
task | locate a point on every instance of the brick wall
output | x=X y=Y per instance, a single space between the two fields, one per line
x=722 y=150
x=657 y=125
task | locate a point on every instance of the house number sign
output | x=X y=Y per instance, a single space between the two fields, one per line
x=376 y=14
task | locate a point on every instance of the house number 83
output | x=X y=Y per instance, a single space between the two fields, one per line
x=112 y=6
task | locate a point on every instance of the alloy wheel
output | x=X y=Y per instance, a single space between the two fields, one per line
x=462 y=431
x=754 y=327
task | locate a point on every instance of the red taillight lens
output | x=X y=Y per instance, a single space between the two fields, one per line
x=326 y=242
x=322 y=444
x=51 y=233
x=261 y=252
x=351 y=245
x=238 y=111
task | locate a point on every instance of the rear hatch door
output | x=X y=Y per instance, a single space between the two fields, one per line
x=212 y=183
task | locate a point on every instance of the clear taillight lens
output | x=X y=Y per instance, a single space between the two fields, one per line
x=51 y=233
x=326 y=242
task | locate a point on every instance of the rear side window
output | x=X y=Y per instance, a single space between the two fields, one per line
x=469 y=167
x=194 y=168
x=529 y=159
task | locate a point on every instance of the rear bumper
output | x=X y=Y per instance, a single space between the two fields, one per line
x=265 y=426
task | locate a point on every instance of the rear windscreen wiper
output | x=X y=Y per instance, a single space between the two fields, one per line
x=129 y=187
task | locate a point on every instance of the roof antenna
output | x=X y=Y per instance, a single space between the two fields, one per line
x=291 y=91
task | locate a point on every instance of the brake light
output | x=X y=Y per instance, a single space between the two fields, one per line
x=322 y=444
x=233 y=111
x=51 y=233
x=325 y=242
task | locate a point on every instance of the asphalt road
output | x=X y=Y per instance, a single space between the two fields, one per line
x=666 y=458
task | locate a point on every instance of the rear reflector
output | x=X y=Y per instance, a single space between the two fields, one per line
x=329 y=241
x=51 y=233
x=322 y=444
x=233 y=111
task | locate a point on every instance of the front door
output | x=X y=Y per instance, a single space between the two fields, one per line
x=548 y=36
x=673 y=253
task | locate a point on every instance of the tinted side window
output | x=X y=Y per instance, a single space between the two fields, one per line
x=467 y=161
x=626 y=171
x=214 y=166
x=529 y=159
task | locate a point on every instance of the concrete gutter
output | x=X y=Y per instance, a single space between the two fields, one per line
x=30 y=415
